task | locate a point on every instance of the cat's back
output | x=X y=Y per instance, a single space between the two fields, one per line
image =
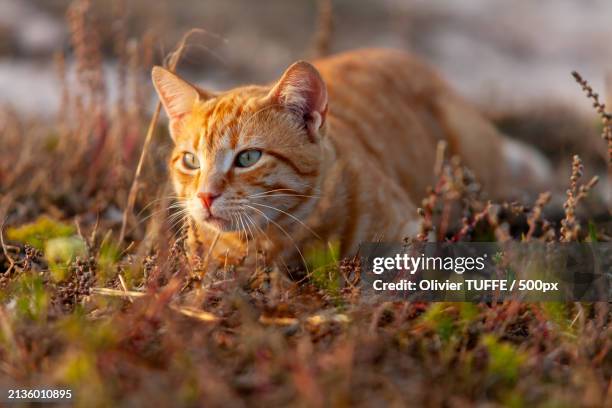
x=378 y=70
x=389 y=109
x=380 y=110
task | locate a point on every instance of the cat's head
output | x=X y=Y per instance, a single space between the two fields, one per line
x=248 y=156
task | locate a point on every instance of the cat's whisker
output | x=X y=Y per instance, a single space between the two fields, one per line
x=177 y=220
x=272 y=191
x=172 y=226
x=284 y=232
x=178 y=213
x=156 y=213
x=269 y=240
x=267 y=237
x=247 y=222
x=233 y=222
x=148 y=217
x=289 y=215
x=237 y=227
x=246 y=235
x=275 y=190
x=243 y=210
x=256 y=227
x=178 y=202
x=241 y=229
x=175 y=235
x=284 y=195
x=159 y=211
x=182 y=220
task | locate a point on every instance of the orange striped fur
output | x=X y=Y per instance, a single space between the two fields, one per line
x=347 y=149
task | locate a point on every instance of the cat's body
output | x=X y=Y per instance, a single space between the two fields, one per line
x=353 y=170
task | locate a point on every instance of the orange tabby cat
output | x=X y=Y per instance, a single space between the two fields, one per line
x=340 y=149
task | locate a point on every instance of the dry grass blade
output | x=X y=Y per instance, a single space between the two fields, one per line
x=536 y=213
x=320 y=319
x=210 y=250
x=124 y=287
x=600 y=107
x=278 y=321
x=570 y=226
x=12 y=262
x=14 y=351
x=117 y=293
x=185 y=310
x=325 y=28
x=172 y=64
x=195 y=313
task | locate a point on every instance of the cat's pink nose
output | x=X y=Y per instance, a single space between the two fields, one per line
x=207 y=198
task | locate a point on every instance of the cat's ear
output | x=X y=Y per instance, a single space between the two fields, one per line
x=176 y=95
x=302 y=90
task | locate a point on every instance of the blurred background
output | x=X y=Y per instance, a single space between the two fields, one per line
x=498 y=53
x=80 y=70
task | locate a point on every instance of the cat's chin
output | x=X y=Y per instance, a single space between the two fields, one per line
x=219 y=224
x=214 y=223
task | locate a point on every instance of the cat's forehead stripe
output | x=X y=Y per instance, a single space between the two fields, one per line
x=222 y=120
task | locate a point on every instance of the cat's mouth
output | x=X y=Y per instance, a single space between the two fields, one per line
x=214 y=218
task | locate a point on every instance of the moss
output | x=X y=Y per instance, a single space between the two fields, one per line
x=60 y=252
x=31 y=297
x=505 y=360
x=40 y=231
x=108 y=256
x=557 y=313
x=438 y=318
x=322 y=261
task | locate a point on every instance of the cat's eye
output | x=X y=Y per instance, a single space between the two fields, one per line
x=190 y=161
x=248 y=158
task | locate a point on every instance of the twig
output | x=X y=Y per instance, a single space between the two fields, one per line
x=124 y=287
x=172 y=63
x=78 y=228
x=440 y=156
x=569 y=226
x=185 y=310
x=319 y=319
x=575 y=318
x=536 y=213
x=117 y=293
x=600 y=107
x=195 y=313
x=278 y=321
x=210 y=251
x=314 y=320
x=12 y=262
x=325 y=28
x=471 y=225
